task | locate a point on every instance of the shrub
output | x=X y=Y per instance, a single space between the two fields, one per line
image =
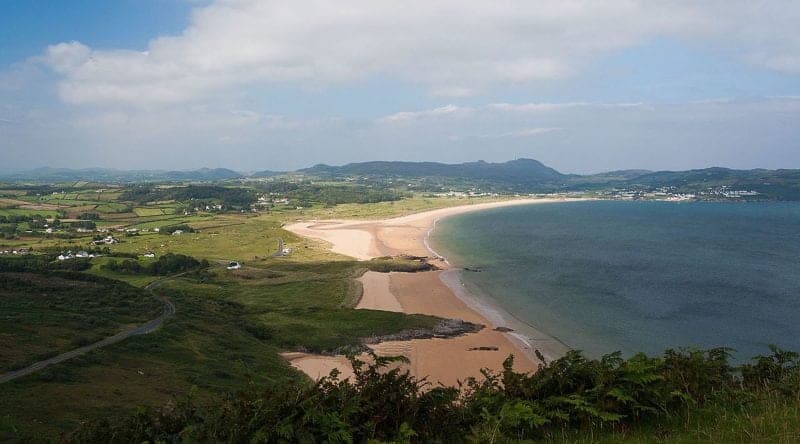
x=385 y=404
x=167 y=264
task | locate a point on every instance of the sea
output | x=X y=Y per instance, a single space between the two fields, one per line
x=634 y=276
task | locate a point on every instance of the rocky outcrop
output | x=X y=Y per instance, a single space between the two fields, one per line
x=445 y=328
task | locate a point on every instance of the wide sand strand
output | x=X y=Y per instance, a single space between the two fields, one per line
x=442 y=361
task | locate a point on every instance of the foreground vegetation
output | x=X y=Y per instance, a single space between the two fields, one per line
x=680 y=396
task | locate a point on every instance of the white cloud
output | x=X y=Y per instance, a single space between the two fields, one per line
x=451 y=48
x=409 y=116
x=525 y=132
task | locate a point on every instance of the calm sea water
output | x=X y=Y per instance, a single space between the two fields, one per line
x=638 y=276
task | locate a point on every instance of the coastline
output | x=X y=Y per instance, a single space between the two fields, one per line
x=525 y=336
x=439 y=293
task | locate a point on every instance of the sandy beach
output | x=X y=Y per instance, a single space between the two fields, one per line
x=445 y=361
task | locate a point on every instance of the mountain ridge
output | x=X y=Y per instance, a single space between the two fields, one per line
x=516 y=176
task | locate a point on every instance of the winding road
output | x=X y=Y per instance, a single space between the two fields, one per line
x=169 y=310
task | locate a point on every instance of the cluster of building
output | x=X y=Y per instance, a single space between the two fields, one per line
x=671 y=194
x=470 y=193
x=69 y=255
x=16 y=251
x=729 y=193
x=108 y=240
x=266 y=201
x=209 y=208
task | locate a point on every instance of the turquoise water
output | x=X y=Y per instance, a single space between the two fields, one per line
x=638 y=276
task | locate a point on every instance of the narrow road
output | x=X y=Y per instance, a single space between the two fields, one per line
x=169 y=310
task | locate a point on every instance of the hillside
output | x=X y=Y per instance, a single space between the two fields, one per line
x=781 y=184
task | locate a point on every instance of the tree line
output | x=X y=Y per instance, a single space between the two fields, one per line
x=167 y=264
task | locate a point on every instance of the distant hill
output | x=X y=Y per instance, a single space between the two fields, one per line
x=47 y=174
x=520 y=171
x=769 y=184
x=203 y=174
x=521 y=175
x=774 y=184
x=266 y=173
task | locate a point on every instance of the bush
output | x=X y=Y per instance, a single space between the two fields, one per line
x=386 y=265
x=40 y=263
x=571 y=393
x=167 y=264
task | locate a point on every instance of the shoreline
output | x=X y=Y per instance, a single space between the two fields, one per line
x=525 y=336
x=438 y=293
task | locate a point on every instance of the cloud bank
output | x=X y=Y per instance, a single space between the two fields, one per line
x=573 y=137
x=450 y=48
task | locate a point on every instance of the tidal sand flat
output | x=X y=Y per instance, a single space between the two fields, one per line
x=445 y=361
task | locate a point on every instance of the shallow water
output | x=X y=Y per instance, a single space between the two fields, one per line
x=638 y=276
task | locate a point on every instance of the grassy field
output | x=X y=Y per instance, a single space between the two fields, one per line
x=142 y=211
x=766 y=418
x=111 y=207
x=27 y=212
x=203 y=350
x=247 y=238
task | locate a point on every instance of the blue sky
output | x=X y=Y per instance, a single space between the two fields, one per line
x=584 y=86
x=28 y=27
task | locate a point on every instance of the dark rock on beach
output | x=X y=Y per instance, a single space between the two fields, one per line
x=446 y=328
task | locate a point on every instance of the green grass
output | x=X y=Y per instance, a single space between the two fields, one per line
x=142 y=211
x=26 y=212
x=111 y=207
x=226 y=237
x=44 y=315
x=767 y=418
x=203 y=349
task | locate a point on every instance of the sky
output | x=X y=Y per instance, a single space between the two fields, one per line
x=583 y=86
